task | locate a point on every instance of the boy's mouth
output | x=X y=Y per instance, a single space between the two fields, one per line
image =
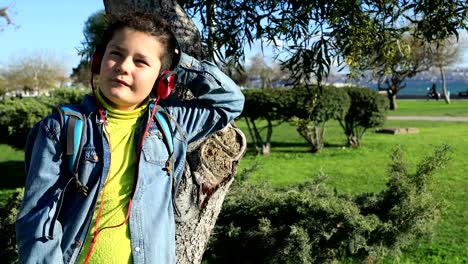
x=122 y=82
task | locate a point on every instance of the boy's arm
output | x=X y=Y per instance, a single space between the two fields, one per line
x=35 y=221
x=218 y=100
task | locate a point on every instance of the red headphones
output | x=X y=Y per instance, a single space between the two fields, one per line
x=163 y=85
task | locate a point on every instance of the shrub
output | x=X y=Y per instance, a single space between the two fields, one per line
x=312 y=223
x=313 y=108
x=9 y=252
x=264 y=104
x=17 y=116
x=367 y=110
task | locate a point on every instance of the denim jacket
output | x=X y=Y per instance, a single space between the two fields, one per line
x=55 y=217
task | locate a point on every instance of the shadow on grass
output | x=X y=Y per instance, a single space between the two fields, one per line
x=12 y=174
x=334 y=145
x=291 y=147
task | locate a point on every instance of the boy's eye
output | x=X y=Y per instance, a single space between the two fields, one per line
x=142 y=62
x=114 y=52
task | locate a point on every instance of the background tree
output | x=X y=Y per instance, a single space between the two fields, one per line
x=398 y=61
x=3 y=88
x=313 y=108
x=263 y=110
x=92 y=32
x=445 y=54
x=316 y=33
x=36 y=72
x=368 y=109
x=259 y=67
x=239 y=76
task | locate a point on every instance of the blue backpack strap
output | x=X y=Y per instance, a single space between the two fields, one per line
x=163 y=122
x=74 y=125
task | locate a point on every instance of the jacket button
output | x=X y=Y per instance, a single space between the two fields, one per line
x=137 y=249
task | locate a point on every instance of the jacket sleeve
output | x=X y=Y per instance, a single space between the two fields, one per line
x=218 y=100
x=37 y=231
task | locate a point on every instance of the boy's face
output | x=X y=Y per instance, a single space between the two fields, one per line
x=129 y=68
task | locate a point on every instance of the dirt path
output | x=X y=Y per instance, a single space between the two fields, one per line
x=430 y=118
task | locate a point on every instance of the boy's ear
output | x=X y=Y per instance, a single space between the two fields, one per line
x=168 y=79
x=96 y=62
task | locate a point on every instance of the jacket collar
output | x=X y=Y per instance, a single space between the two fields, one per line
x=88 y=105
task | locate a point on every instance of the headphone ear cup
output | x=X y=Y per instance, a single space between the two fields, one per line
x=166 y=84
x=96 y=63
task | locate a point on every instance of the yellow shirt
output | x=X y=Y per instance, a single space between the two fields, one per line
x=113 y=245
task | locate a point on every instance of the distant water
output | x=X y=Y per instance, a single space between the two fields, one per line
x=420 y=87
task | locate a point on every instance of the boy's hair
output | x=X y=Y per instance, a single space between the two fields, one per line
x=146 y=23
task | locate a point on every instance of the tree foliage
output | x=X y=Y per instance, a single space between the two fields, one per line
x=38 y=71
x=310 y=108
x=313 y=223
x=265 y=105
x=317 y=33
x=367 y=110
x=313 y=108
x=92 y=31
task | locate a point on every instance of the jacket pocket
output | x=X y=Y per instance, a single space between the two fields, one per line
x=91 y=163
x=154 y=149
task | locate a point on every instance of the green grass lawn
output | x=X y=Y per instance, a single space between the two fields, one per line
x=365 y=170
x=431 y=108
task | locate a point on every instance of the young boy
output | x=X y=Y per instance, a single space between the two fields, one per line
x=119 y=208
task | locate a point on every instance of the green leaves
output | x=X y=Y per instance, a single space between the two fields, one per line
x=312 y=223
x=316 y=33
x=8 y=213
x=18 y=116
x=367 y=110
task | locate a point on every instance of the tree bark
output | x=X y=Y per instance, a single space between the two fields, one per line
x=209 y=171
x=444 y=85
x=393 y=101
x=212 y=162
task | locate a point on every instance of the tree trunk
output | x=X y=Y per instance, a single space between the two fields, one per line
x=211 y=162
x=313 y=136
x=264 y=149
x=392 y=92
x=444 y=85
x=209 y=171
x=393 y=101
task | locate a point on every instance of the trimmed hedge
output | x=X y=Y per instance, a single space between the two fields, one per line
x=18 y=116
x=313 y=108
x=368 y=109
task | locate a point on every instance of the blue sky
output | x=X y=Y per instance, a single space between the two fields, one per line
x=54 y=27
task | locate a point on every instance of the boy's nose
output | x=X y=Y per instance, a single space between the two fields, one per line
x=124 y=66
